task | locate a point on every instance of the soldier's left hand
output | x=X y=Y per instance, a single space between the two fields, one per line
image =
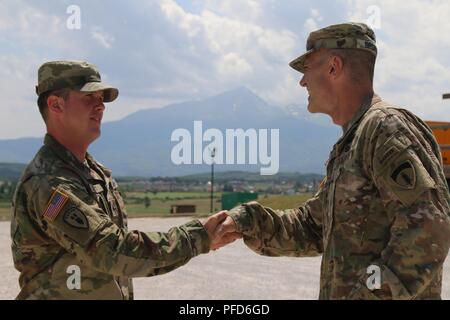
x=219 y=239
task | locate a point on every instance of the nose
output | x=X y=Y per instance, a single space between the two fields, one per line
x=100 y=102
x=302 y=81
x=100 y=106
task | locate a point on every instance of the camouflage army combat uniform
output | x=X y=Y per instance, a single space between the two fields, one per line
x=384 y=203
x=69 y=221
x=90 y=231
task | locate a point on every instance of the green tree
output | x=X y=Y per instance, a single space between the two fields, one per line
x=147 y=202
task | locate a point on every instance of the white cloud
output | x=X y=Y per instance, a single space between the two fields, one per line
x=224 y=34
x=312 y=23
x=159 y=52
x=241 y=49
x=232 y=65
x=184 y=55
x=19 y=111
x=29 y=36
x=413 y=69
x=316 y=14
x=102 y=38
x=248 y=10
x=285 y=92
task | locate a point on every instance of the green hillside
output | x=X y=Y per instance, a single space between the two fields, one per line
x=11 y=170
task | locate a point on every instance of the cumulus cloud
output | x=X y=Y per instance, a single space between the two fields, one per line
x=249 y=10
x=19 y=112
x=311 y=23
x=240 y=49
x=102 y=38
x=163 y=51
x=224 y=34
x=232 y=65
x=413 y=69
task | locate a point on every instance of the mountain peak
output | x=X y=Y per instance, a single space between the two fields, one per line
x=146 y=136
x=240 y=97
x=239 y=92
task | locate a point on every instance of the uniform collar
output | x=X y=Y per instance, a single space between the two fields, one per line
x=367 y=103
x=66 y=155
x=349 y=127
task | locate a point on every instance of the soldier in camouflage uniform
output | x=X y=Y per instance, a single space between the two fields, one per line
x=383 y=208
x=68 y=214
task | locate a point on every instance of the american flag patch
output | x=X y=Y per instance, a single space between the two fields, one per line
x=55 y=205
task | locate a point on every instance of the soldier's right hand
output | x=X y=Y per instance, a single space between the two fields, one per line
x=226 y=233
x=219 y=234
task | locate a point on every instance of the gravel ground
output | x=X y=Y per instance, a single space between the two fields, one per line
x=233 y=272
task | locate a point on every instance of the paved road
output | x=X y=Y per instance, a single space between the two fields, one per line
x=233 y=272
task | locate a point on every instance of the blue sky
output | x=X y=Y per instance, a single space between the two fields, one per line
x=159 y=52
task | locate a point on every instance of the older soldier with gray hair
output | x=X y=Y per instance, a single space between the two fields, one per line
x=383 y=208
x=67 y=208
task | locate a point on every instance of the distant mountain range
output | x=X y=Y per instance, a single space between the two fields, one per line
x=251 y=177
x=140 y=144
x=11 y=170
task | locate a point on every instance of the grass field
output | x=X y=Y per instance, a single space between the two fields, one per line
x=284 y=202
x=172 y=195
x=161 y=203
x=162 y=207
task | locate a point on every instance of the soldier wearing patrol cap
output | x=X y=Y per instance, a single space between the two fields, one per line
x=380 y=218
x=68 y=211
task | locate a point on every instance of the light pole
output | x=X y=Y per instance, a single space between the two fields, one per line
x=213 y=154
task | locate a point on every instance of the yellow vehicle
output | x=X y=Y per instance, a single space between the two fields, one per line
x=441 y=131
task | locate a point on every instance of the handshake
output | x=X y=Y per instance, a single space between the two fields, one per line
x=221 y=229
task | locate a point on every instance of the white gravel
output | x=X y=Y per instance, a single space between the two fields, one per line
x=233 y=272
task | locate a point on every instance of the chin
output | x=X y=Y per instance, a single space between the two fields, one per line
x=311 y=109
x=95 y=135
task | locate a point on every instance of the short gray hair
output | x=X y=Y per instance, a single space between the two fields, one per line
x=361 y=63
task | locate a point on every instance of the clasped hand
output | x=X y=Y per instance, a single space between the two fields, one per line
x=222 y=230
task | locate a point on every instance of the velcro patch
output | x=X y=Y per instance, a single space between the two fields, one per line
x=388 y=154
x=75 y=218
x=405 y=175
x=391 y=148
x=54 y=206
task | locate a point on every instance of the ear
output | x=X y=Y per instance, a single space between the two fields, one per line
x=55 y=104
x=336 y=67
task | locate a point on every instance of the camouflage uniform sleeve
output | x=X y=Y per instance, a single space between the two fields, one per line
x=291 y=232
x=416 y=201
x=66 y=213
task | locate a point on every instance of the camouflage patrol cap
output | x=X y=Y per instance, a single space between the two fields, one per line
x=349 y=35
x=76 y=75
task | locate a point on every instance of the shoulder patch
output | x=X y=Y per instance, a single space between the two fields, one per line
x=404 y=175
x=75 y=218
x=392 y=147
x=54 y=206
